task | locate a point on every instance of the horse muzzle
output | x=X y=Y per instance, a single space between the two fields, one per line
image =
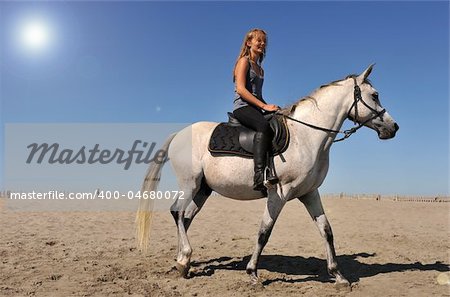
x=387 y=132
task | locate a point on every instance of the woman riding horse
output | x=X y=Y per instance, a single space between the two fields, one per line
x=249 y=105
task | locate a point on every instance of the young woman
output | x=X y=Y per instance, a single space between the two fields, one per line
x=249 y=105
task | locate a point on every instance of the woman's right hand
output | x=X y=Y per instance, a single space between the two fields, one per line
x=270 y=107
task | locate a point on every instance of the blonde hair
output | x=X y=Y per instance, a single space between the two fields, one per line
x=245 y=49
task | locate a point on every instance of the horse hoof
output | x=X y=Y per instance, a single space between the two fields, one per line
x=183 y=270
x=254 y=279
x=256 y=283
x=343 y=286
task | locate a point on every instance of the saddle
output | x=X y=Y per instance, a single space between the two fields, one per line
x=234 y=139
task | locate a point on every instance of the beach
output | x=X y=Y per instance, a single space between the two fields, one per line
x=384 y=248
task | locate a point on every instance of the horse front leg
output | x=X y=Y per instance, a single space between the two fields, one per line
x=273 y=208
x=314 y=206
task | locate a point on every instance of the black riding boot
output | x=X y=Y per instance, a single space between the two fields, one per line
x=261 y=145
x=260 y=157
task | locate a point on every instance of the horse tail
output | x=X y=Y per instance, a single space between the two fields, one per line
x=144 y=213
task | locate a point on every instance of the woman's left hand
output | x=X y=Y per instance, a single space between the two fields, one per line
x=271 y=107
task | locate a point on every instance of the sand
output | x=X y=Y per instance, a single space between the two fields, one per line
x=385 y=248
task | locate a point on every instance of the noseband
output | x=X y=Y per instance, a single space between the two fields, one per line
x=347 y=133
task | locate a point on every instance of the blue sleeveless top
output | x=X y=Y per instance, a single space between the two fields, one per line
x=253 y=83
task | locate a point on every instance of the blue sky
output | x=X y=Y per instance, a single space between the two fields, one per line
x=142 y=62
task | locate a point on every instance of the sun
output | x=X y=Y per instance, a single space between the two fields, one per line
x=35 y=34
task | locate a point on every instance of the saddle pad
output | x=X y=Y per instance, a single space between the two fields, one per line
x=224 y=140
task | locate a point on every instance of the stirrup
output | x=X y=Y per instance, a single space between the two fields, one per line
x=269 y=179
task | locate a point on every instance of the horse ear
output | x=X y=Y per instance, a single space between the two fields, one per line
x=363 y=76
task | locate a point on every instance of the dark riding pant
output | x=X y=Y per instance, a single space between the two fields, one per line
x=253 y=118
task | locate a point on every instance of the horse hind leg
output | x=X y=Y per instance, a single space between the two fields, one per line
x=314 y=206
x=193 y=207
x=183 y=212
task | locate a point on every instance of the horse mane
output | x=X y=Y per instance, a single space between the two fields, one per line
x=289 y=110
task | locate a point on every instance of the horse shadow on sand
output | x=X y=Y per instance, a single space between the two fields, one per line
x=312 y=268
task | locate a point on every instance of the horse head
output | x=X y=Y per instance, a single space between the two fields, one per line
x=367 y=109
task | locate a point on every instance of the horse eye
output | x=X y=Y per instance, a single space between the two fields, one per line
x=375 y=97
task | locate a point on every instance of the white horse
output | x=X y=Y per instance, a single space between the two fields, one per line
x=313 y=122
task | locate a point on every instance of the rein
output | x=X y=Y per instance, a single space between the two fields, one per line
x=347 y=133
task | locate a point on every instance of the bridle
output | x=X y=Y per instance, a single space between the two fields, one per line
x=347 y=133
